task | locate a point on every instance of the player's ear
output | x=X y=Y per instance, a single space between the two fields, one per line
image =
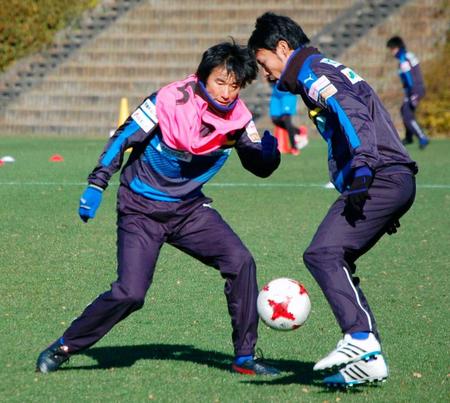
x=283 y=49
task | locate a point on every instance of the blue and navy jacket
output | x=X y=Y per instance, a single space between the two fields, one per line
x=158 y=172
x=410 y=73
x=349 y=116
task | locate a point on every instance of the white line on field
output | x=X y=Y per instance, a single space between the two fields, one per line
x=217 y=184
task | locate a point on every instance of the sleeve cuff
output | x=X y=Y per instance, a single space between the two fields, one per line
x=96 y=187
x=363 y=171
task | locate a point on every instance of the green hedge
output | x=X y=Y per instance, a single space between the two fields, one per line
x=434 y=111
x=28 y=25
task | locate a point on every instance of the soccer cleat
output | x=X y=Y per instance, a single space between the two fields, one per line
x=356 y=373
x=406 y=141
x=350 y=350
x=294 y=151
x=52 y=357
x=254 y=366
x=301 y=141
x=423 y=143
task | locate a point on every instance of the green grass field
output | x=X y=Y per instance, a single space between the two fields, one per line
x=178 y=347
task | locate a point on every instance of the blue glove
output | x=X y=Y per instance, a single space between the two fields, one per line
x=269 y=145
x=89 y=202
x=359 y=190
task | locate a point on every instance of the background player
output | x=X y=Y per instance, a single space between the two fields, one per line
x=282 y=109
x=414 y=87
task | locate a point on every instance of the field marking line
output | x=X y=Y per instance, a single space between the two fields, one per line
x=218 y=184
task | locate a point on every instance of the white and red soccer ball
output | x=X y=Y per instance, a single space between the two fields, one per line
x=283 y=304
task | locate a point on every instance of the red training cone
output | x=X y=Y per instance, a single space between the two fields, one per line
x=56 y=158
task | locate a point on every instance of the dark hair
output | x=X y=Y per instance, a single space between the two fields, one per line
x=395 y=42
x=271 y=28
x=235 y=58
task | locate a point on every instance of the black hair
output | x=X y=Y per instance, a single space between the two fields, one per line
x=235 y=58
x=271 y=28
x=395 y=42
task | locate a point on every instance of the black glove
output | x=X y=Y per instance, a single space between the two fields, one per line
x=269 y=145
x=392 y=227
x=359 y=190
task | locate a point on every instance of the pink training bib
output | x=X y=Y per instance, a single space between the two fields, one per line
x=182 y=113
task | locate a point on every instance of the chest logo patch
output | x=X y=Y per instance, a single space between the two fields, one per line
x=351 y=75
x=330 y=62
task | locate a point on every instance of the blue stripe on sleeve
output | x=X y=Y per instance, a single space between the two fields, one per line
x=308 y=77
x=408 y=78
x=114 y=149
x=342 y=176
x=407 y=74
x=346 y=123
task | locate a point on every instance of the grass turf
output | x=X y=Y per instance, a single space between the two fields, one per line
x=178 y=347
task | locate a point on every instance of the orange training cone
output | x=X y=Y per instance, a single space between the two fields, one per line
x=284 y=145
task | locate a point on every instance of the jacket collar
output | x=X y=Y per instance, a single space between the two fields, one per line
x=400 y=53
x=289 y=77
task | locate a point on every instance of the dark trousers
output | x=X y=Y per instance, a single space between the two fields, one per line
x=285 y=122
x=412 y=127
x=340 y=240
x=192 y=227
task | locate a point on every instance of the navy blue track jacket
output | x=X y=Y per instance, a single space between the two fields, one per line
x=161 y=173
x=410 y=73
x=351 y=118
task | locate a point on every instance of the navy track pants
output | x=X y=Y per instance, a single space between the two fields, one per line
x=193 y=227
x=412 y=127
x=340 y=240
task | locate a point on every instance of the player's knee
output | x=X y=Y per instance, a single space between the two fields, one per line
x=309 y=258
x=133 y=297
x=319 y=257
x=242 y=260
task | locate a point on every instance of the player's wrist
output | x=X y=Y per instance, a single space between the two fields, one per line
x=92 y=186
x=363 y=171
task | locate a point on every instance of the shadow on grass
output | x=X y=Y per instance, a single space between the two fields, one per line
x=295 y=372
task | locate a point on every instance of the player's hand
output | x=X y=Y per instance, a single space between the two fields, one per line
x=269 y=145
x=89 y=202
x=392 y=227
x=414 y=101
x=359 y=190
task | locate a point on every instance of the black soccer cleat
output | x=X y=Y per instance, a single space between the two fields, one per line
x=254 y=366
x=52 y=357
x=406 y=141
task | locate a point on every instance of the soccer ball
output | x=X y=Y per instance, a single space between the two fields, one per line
x=283 y=304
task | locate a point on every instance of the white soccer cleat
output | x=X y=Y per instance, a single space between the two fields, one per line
x=301 y=141
x=350 y=350
x=355 y=373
